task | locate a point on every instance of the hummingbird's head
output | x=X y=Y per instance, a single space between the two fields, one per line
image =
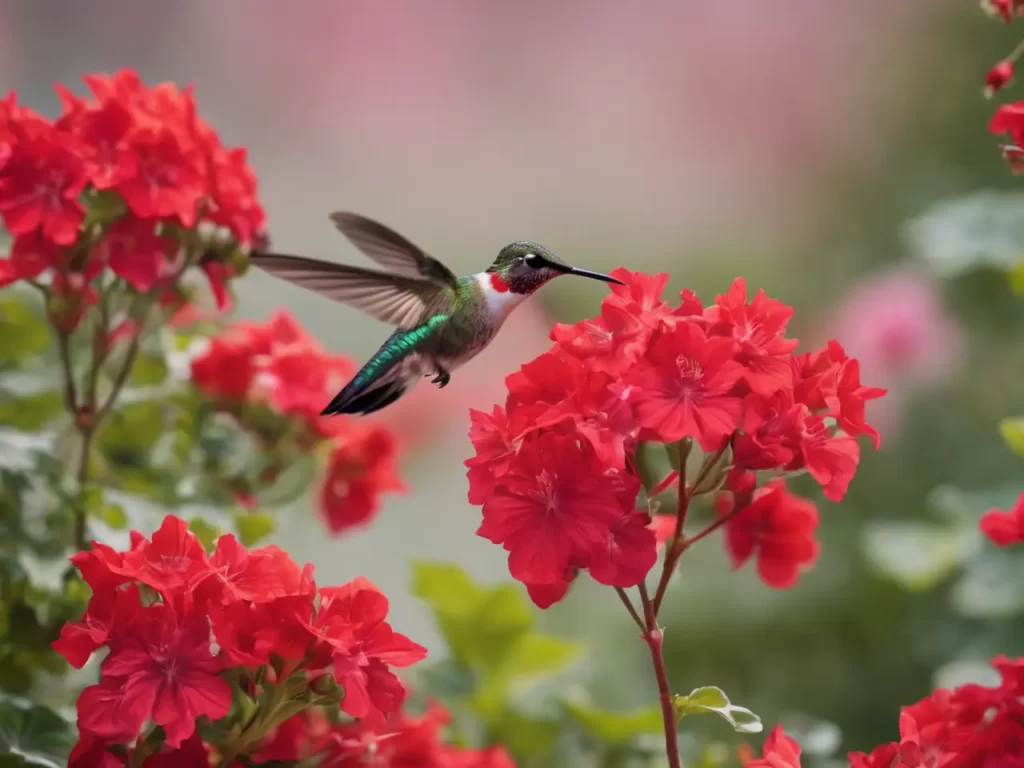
x=526 y=266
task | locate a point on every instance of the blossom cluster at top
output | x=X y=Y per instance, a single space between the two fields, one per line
x=555 y=467
x=121 y=181
x=973 y=726
x=404 y=741
x=277 y=365
x=178 y=624
x=1008 y=119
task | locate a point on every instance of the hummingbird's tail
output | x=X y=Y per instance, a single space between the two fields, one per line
x=363 y=398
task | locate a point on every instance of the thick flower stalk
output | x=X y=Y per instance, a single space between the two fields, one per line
x=209 y=654
x=273 y=379
x=113 y=207
x=559 y=469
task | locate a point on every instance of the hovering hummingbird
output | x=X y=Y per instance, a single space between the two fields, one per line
x=442 y=320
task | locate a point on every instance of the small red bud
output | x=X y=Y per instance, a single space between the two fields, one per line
x=1002 y=8
x=998 y=77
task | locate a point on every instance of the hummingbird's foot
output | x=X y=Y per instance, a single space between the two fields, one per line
x=442 y=378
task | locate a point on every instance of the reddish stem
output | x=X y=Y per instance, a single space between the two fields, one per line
x=654 y=636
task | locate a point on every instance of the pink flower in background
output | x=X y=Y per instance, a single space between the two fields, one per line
x=895 y=324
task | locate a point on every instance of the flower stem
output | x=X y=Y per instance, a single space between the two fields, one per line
x=675 y=547
x=629 y=607
x=654 y=636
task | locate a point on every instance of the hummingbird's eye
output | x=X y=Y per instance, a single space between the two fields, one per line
x=533 y=260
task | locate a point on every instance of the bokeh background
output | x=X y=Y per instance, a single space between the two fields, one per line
x=835 y=154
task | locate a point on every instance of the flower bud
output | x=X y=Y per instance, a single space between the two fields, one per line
x=1002 y=9
x=998 y=77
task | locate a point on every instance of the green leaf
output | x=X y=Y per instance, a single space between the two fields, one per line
x=615 y=728
x=982 y=229
x=36 y=733
x=253 y=527
x=30 y=412
x=990 y=587
x=205 y=532
x=445 y=587
x=114 y=516
x=714 y=700
x=24 y=331
x=916 y=555
x=1012 y=431
x=148 y=370
x=535 y=655
x=1017 y=278
x=480 y=625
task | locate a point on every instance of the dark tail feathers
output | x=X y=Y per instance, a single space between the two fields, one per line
x=357 y=399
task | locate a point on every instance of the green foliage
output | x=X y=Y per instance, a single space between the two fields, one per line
x=205 y=532
x=495 y=653
x=917 y=555
x=253 y=527
x=1012 y=431
x=615 y=728
x=33 y=735
x=30 y=412
x=713 y=700
x=24 y=331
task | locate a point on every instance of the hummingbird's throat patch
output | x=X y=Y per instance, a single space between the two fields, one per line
x=498 y=283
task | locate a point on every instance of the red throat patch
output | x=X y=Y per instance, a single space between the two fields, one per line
x=498 y=283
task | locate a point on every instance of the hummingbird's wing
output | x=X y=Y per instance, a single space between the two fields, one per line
x=391 y=250
x=394 y=299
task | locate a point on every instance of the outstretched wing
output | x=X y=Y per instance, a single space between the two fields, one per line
x=391 y=250
x=395 y=299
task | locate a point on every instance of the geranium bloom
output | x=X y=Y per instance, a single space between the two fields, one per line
x=685 y=387
x=277 y=366
x=253 y=612
x=351 y=619
x=163 y=670
x=780 y=751
x=405 y=741
x=552 y=509
x=360 y=469
x=776 y=526
x=724 y=375
x=141 y=163
x=759 y=329
x=1005 y=528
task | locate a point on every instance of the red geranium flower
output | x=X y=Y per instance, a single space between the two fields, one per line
x=553 y=508
x=684 y=387
x=777 y=526
x=759 y=329
x=163 y=670
x=41 y=181
x=351 y=619
x=1005 y=528
x=780 y=751
x=361 y=467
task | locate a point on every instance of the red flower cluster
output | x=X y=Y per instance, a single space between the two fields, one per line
x=160 y=608
x=404 y=741
x=278 y=365
x=1005 y=528
x=777 y=526
x=133 y=165
x=973 y=726
x=1008 y=119
x=554 y=469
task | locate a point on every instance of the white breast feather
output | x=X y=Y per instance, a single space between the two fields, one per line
x=499 y=303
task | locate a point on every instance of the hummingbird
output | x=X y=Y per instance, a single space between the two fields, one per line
x=442 y=321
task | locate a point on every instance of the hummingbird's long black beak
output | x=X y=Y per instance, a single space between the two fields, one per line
x=593 y=275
